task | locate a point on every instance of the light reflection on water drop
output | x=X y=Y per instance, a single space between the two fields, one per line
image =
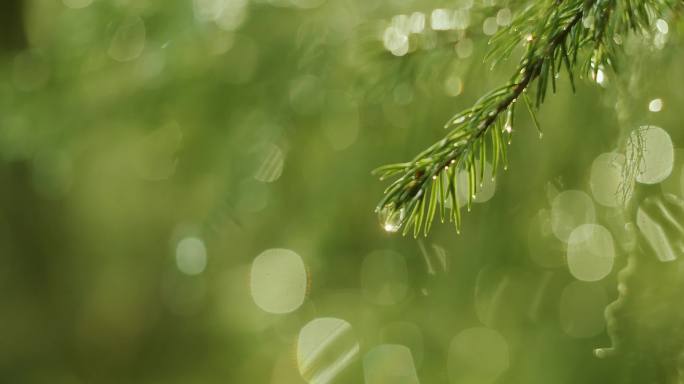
x=391 y=218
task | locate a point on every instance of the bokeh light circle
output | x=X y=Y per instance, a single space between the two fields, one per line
x=591 y=252
x=278 y=281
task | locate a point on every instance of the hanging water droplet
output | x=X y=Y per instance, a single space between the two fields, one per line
x=391 y=218
x=505 y=167
x=541 y=135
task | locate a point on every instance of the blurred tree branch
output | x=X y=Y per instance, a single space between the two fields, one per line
x=12 y=33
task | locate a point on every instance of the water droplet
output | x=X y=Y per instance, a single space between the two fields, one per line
x=391 y=218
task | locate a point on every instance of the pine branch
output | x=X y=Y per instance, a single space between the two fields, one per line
x=577 y=35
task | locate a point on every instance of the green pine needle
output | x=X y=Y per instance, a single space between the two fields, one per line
x=571 y=35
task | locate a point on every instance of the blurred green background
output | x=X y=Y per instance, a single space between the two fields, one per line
x=186 y=198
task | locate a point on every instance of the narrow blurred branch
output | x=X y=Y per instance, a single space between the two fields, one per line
x=12 y=33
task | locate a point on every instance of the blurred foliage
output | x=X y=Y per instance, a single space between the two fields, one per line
x=151 y=150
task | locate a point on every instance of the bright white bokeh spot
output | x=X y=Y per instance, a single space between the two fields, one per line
x=128 y=41
x=655 y=105
x=191 y=256
x=598 y=75
x=272 y=163
x=653 y=146
x=389 y=363
x=416 y=23
x=440 y=20
x=396 y=41
x=278 y=281
x=384 y=277
x=591 y=252
x=325 y=348
x=581 y=309
x=662 y=26
x=606 y=179
x=569 y=210
x=477 y=355
x=77 y=4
